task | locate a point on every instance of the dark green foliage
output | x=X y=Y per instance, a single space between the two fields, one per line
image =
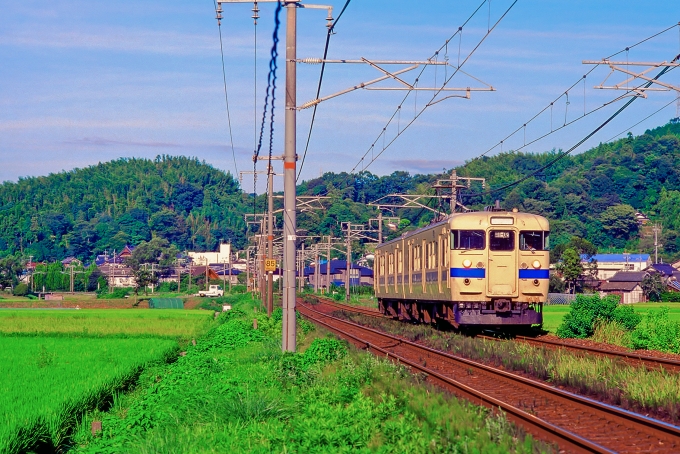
x=119 y=292
x=652 y=286
x=20 y=290
x=584 y=312
x=658 y=332
x=84 y=212
x=670 y=297
x=626 y=317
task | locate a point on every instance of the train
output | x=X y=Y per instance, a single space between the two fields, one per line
x=476 y=269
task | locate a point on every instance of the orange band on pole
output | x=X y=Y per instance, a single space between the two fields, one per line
x=289 y=165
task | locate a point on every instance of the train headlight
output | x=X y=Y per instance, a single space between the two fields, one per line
x=536 y=264
x=467 y=263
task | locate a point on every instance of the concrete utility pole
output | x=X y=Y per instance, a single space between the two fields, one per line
x=289 y=164
x=270 y=239
x=657 y=230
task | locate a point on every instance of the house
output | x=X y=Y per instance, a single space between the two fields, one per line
x=641 y=218
x=626 y=284
x=610 y=264
x=359 y=275
x=117 y=274
x=221 y=256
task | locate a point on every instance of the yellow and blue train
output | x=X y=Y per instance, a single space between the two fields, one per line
x=474 y=269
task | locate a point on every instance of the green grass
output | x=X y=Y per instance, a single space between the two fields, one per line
x=553 y=314
x=235 y=392
x=168 y=323
x=48 y=382
x=635 y=388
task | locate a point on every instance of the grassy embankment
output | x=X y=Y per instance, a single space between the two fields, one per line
x=636 y=388
x=236 y=392
x=60 y=364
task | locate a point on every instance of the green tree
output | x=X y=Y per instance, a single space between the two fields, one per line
x=10 y=270
x=571 y=268
x=653 y=286
x=620 y=223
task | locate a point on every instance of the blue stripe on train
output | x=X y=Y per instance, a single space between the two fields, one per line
x=468 y=272
x=534 y=274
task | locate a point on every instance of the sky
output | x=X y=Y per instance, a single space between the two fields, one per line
x=87 y=82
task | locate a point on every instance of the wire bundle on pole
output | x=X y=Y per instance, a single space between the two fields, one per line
x=271 y=85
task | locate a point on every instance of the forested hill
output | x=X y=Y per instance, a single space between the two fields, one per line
x=593 y=195
x=104 y=207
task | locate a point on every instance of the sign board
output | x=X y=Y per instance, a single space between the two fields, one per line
x=269 y=265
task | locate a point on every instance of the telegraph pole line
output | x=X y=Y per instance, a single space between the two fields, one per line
x=288 y=339
x=657 y=230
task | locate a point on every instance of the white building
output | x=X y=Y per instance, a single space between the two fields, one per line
x=610 y=264
x=207 y=258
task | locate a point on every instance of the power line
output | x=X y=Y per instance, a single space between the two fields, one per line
x=318 y=89
x=430 y=103
x=224 y=79
x=645 y=119
x=580 y=142
x=566 y=92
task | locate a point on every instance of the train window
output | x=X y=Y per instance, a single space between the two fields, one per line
x=467 y=239
x=533 y=241
x=400 y=261
x=501 y=240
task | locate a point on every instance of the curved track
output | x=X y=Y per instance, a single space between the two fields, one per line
x=576 y=423
x=632 y=358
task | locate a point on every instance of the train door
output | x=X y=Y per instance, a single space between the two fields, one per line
x=502 y=265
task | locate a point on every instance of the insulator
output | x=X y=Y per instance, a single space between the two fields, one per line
x=312 y=61
x=309 y=104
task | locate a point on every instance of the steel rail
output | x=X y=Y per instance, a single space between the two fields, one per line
x=647 y=361
x=658 y=429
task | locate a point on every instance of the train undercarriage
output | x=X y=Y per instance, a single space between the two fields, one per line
x=499 y=313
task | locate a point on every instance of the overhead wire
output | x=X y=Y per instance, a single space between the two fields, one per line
x=551 y=104
x=318 y=88
x=271 y=85
x=562 y=155
x=430 y=103
x=226 y=94
x=645 y=119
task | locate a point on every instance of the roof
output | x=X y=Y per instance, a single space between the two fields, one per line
x=201 y=270
x=605 y=258
x=628 y=276
x=665 y=269
x=338 y=266
x=619 y=286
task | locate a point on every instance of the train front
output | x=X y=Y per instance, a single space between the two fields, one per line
x=499 y=268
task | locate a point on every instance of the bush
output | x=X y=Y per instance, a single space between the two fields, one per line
x=120 y=292
x=670 y=297
x=20 y=290
x=658 y=332
x=585 y=311
x=626 y=316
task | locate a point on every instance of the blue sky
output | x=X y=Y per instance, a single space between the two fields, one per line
x=87 y=82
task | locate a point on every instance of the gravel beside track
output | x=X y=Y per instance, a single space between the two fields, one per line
x=652 y=360
x=576 y=423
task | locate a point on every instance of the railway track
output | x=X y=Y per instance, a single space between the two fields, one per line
x=575 y=423
x=632 y=358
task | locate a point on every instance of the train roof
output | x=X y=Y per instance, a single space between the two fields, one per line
x=540 y=222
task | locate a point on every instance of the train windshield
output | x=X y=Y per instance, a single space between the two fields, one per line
x=467 y=239
x=533 y=241
x=502 y=240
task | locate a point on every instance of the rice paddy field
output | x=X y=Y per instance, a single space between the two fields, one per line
x=553 y=314
x=59 y=364
x=167 y=323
